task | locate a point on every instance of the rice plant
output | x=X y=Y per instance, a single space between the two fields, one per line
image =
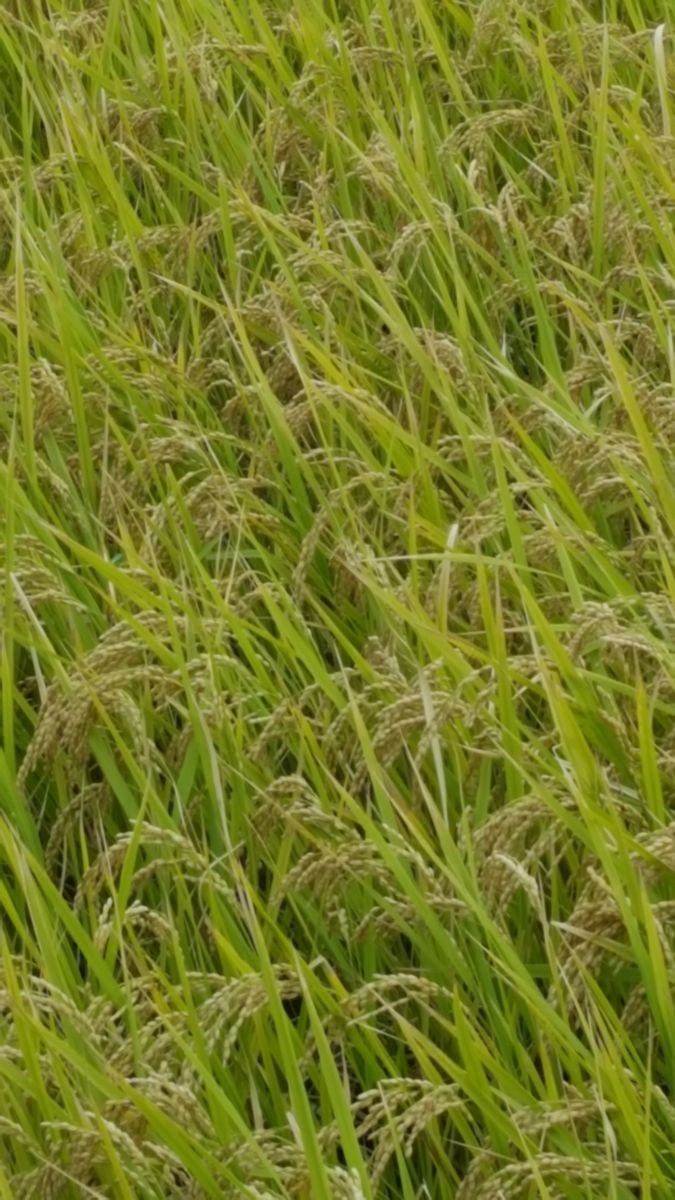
x=337 y=507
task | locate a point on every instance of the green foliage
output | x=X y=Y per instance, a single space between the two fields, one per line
x=338 y=607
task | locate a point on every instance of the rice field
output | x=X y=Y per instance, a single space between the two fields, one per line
x=337 y=573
